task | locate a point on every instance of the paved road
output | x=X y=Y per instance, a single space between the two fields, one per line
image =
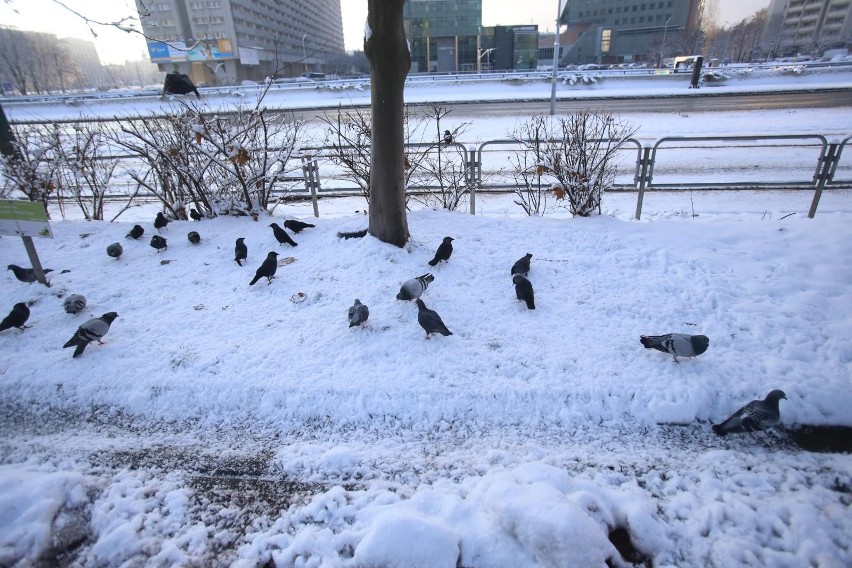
x=694 y=101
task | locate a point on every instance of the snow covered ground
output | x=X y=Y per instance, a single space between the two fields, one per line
x=223 y=424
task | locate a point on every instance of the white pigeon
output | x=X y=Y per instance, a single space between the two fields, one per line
x=412 y=289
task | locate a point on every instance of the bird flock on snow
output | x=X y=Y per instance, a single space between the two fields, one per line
x=755 y=416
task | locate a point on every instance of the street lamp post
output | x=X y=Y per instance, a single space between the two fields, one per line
x=304 y=53
x=663 y=46
x=555 y=59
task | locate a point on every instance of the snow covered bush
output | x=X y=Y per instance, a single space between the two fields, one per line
x=31 y=171
x=85 y=167
x=228 y=164
x=572 y=158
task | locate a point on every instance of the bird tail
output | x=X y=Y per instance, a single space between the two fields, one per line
x=717 y=429
x=81 y=346
x=651 y=341
x=433 y=262
x=254 y=280
x=71 y=342
x=530 y=304
x=352 y=234
x=309 y=225
x=238 y=261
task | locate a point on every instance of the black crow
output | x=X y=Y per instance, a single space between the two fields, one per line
x=194 y=237
x=524 y=290
x=161 y=221
x=158 y=242
x=178 y=84
x=136 y=232
x=17 y=317
x=240 y=251
x=522 y=265
x=196 y=216
x=297 y=226
x=267 y=269
x=445 y=249
x=281 y=235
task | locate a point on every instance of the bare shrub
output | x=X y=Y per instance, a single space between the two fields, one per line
x=574 y=157
x=84 y=167
x=31 y=170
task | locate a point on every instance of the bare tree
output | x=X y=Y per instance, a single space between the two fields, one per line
x=84 y=166
x=387 y=51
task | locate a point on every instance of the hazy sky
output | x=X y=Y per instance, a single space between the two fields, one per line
x=116 y=47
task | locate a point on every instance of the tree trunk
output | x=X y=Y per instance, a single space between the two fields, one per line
x=387 y=51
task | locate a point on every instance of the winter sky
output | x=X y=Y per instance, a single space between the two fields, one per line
x=117 y=47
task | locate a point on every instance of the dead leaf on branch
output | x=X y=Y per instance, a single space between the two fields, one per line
x=558 y=192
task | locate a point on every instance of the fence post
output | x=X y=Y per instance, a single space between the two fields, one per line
x=309 y=172
x=472 y=175
x=642 y=171
x=826 y=172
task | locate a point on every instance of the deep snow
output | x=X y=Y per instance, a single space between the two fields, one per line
x=223 y=424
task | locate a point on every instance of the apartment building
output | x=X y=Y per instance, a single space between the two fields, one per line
x=228 y=41
x=809 y=26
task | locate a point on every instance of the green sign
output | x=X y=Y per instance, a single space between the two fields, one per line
x=24 y=219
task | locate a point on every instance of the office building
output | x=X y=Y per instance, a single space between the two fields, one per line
x=229 y=41
x=631 y=31
x=442 y=34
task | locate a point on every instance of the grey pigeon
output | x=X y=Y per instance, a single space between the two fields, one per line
x=412 y=289
x=91 y=330
x=677 y=344
x=17 y=317
x=754 y=416
x=430 y=320
x=445 y=250
x=114 y=250
x=74 y=303
x=522 y=265
x=196 y=216
x=358 y=313
x=267 y=268
x=240 y=251
x=524 y=291
x=160 y=222
x=281 y=235
x=158 y=242
x=297 y=226
x=25 y=274
x=194 y=237
x=136 y=232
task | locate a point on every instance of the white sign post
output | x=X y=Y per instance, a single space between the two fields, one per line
x=27 y=219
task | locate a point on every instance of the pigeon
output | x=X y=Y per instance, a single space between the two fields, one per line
x=136 y=232
x=240 y=251
x=522 y=265
x=178 y=84
x=20 y=314
x=74 y=303
x=267 y=268
x=754 y=416
x=297 y=226
x=158 y=242
x=92 y=330
x=114 y=250
x=358 y=314
x=524 y=291
x=161 y=221
x=281 y=235
x=678 y=344
x=445 y=249
x=25 y=274
x=412 y=289
x=430 y=320
x=194 y=237
x=196 y=216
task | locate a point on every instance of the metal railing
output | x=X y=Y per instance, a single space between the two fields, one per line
x=805 y=162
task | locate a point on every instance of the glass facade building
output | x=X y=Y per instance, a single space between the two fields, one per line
x=443 y=34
